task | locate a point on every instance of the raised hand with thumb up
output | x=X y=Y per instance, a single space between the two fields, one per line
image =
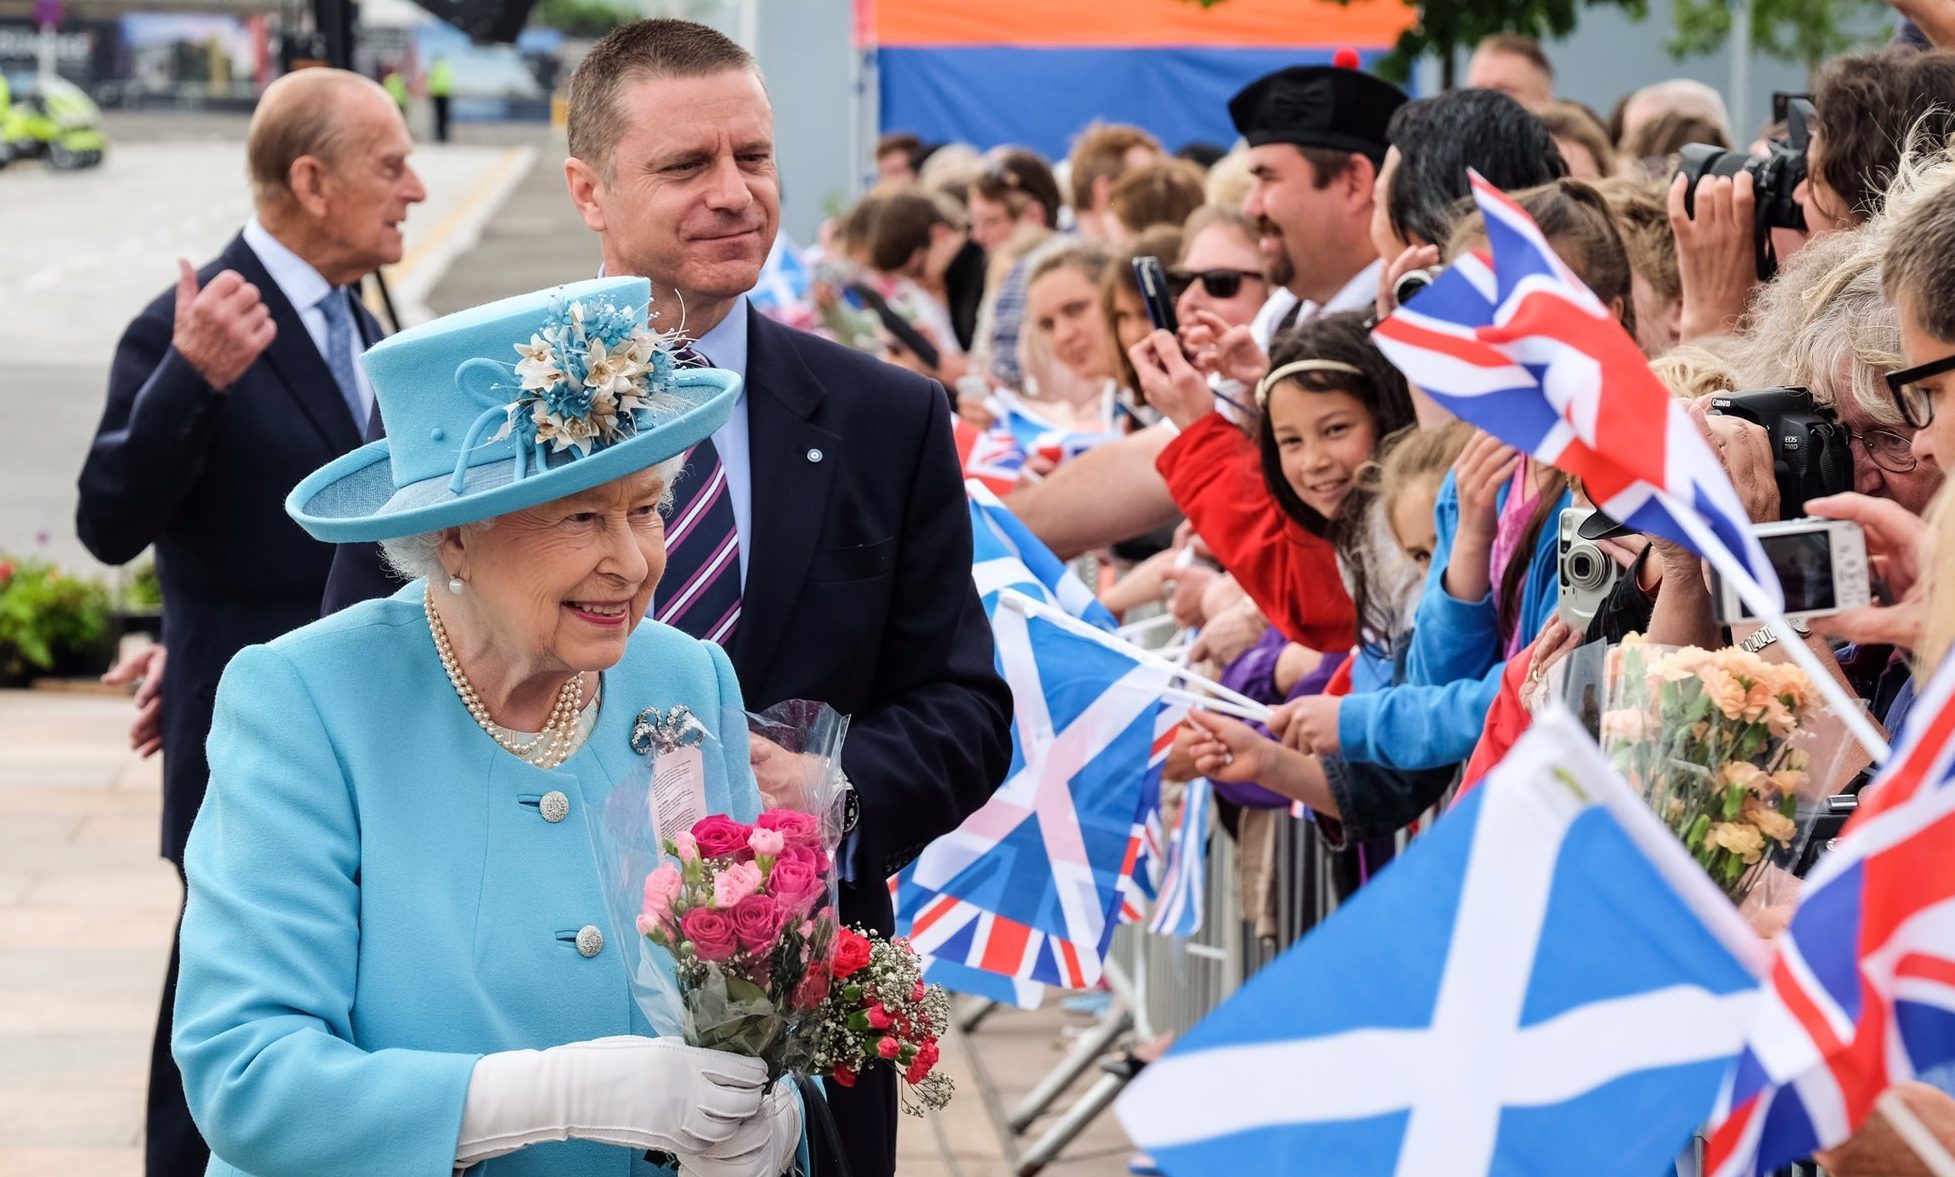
x=221 y=329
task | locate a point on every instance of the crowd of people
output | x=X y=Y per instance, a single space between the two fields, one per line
x=1231 y=447
x=1387 y=578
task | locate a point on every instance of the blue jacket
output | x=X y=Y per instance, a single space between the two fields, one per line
x=1437 y=714
x=375 y=899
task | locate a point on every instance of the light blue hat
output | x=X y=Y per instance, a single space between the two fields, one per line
x=510 y=405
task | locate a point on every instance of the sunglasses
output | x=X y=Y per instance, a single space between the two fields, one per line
x=1916 y=401
x=1221 y=283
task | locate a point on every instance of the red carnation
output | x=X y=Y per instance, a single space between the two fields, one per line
x=844 y=1075
x=851 y=953
x=719 y=835
x=888 y=1048
x=813 y=989
x=879 y=1016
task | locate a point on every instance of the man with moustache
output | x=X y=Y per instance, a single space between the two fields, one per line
x=822 y=535
x=223 y=394
x=1316 y=137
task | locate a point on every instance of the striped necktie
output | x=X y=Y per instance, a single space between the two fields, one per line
x=700 y=591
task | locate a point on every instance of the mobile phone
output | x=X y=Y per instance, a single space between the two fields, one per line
x=1153 y=281
x=1822 y=564
x=913 y=340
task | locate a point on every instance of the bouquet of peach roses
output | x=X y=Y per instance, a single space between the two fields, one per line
x=1719 y=745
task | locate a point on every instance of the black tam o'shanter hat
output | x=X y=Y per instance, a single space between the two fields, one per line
x=1318 y=106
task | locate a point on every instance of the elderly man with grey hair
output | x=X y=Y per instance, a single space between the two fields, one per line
x=225 y=391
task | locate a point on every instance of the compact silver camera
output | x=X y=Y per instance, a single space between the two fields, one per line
x=1822 y=563
x=1588 y=574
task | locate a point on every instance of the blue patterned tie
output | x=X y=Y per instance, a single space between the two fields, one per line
x=339 y=352
x=700 y=591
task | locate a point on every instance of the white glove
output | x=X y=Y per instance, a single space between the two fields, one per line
x=762 y=1147
x=643 y=1093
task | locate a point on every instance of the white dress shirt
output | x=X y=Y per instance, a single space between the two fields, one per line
x=1360 y=293
x=303 y=287
x=725 y=346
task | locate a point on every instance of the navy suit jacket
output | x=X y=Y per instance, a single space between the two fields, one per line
x=203 y=475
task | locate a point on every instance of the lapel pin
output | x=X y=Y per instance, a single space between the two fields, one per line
x=814 y=455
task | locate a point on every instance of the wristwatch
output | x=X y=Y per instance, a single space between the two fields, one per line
x=851 y=803
x=1765 y=635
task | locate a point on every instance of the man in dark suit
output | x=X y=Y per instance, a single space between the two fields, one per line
x=223 y=394
x=822 y=535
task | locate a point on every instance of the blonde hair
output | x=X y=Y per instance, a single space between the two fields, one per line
x=1229 y=180
x=1691 y=370
x=1938 y=633
x=1413 y=455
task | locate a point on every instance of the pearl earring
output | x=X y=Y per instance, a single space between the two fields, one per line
x=455 y=585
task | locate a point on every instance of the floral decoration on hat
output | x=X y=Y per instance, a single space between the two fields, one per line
x=584 y=374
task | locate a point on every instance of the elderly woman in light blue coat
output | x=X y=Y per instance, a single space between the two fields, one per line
x=396 y=950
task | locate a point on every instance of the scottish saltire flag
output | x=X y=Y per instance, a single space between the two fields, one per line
x=782 y=291
x=1029 y=886
x=1522 y=349
x=1544 y=984
x=1862 y=992
x=1005 y=554
x=1018 y=431
x=1184 y=884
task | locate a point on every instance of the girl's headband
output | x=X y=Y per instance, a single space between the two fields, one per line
x=1296 y=366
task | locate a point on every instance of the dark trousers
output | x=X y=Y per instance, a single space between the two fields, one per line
x=441 y=118
x=172 y=1146
x=865 y=1118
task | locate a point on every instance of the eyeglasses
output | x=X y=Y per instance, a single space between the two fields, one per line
x=1220 y=283
x=1916 y=401
x=1891 y=451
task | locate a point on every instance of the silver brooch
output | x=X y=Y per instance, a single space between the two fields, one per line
x=676 y=728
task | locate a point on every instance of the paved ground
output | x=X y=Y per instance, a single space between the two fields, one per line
x=86 y=912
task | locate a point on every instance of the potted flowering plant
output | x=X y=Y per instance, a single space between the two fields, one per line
x=1718 y=744
x=50 y=623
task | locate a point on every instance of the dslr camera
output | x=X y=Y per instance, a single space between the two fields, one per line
x=1810 y=459
x=1774 y=175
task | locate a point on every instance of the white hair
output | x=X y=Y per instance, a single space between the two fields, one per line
x=412 y=557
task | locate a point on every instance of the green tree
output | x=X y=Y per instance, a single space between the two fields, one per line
x=1446 y=28
x=581 y=18
x=1805 y=31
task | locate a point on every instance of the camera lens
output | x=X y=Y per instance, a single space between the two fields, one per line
x=1586 y=567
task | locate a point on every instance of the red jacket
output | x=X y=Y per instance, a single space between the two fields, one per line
x=1215 y=475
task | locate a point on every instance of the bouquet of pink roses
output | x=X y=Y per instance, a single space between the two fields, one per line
x=736 y=918
x=748 y=916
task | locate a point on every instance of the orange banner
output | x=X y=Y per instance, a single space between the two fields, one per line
x=1135 y=23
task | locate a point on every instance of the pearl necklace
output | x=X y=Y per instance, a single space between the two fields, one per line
x=549 y=747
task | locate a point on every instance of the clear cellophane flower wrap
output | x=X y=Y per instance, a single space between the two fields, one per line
x=736 y=920
x=1726 y=747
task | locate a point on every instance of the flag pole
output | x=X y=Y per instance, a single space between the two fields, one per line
x=1915 y=1134
x=1064 y=620
x=1219 y=706
x=1852 y=712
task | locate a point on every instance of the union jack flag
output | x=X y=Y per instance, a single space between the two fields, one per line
x=1184 y=884
x=1862 y=992
x=997 y=456
x=1522 y=349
